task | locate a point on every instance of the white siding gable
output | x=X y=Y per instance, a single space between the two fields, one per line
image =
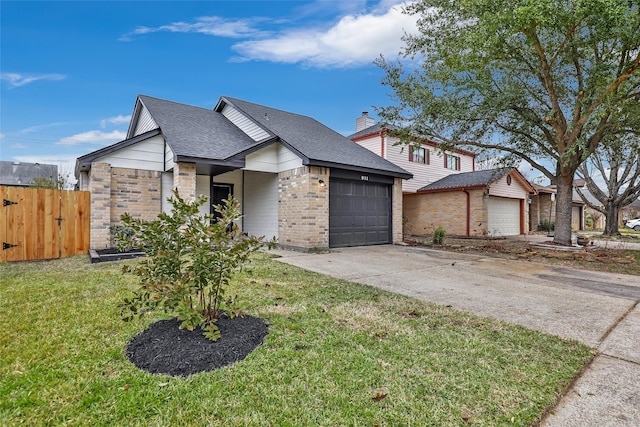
x=273 y=158
x=145 y=122
x=373 y=144
x=147 y=155
x=516 y=190
x=245 y=124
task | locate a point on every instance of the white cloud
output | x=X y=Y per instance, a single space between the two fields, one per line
x=354 y=40
x=209 y=25
x=18 y=146
x=38 y=128
x=117 y=120
x=93 y=137
x=1 y=135
x=17 y=80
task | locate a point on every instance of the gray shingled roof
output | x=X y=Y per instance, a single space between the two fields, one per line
x=201 y=135
x=371 y=129
x=195 y=132
x=22 y=174
x=467 y=180
x=319 y=144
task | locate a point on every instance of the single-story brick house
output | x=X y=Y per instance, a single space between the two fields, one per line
x=543 y=208
x=296 y=179
x=491 y=202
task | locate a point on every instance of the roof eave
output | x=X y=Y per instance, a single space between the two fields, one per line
x=379 y=132
x=236 y=163
x=396 y=174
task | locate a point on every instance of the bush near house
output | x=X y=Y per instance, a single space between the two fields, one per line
x=191 y=260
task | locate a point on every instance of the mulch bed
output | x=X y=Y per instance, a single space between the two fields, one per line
x=164 y=348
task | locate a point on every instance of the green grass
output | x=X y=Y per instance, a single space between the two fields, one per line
x=332 y=348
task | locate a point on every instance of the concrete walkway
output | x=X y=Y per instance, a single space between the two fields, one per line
x=598 y=309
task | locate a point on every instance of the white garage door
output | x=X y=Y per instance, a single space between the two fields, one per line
x=504 y=217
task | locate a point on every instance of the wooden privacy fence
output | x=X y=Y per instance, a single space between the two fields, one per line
x=38 y=223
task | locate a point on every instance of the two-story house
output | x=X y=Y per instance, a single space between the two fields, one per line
x=446 y=190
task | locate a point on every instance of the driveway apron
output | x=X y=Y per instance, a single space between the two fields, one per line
x=598 y=309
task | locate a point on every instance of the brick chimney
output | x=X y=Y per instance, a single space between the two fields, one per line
x=364 y=122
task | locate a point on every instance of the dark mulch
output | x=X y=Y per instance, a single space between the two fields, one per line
x=164 y=348
x=113 y=254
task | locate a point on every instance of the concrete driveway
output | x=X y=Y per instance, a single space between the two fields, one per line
x=598 y=309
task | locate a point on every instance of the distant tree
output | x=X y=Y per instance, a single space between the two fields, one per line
x=618 y=163
x=542 y=80
x=49 y=182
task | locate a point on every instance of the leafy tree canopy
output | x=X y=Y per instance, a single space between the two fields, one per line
x=543 y=80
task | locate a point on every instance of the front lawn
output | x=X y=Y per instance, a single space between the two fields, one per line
x=337 y=353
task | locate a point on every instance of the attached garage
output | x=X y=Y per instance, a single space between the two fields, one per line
x=491 y=202
x=360 y=210
x=503 y=216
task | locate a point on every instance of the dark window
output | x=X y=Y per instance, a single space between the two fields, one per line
x=452 y=162
x=419 y=155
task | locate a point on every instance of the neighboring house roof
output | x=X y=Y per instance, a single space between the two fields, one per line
x=577 y=200
x=544 y=189
x=634 y=205
x=318 y=144
x=199 y=135
x=23 y=174
x=377 y=129
x=371 y=130
x=477 y=179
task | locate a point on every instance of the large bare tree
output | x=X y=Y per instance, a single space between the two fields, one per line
x=543 y=80
x=617 y=164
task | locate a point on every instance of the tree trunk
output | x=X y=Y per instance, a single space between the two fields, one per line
x=611 y=225
x=564 y=206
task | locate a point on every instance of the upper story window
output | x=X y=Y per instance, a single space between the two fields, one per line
x=419 y=155
x=452 y=162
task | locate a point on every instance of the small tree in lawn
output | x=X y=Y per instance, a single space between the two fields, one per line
x=191 y=259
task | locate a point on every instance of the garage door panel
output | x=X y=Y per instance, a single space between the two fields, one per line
x=503 y=217
x=359 y=213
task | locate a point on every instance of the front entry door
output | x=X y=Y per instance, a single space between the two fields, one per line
x=219 y=193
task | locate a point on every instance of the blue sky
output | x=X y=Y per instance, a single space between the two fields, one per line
x=70 y=71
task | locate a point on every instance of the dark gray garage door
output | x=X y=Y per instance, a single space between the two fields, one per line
x=359 y=213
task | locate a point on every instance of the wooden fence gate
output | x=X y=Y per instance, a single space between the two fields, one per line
x=38 y=223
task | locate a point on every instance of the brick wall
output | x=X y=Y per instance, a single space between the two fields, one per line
x=184 y=179
x=115 y=191
x=99 y=184
x=303 y=208
x=136 y=192
x=424 y=213
x=539 y=210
